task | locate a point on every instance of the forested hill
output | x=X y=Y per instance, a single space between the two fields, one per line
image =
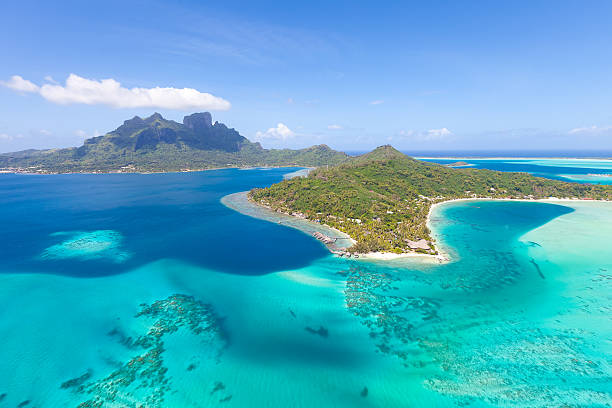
x=158 y=144
x=381 y=199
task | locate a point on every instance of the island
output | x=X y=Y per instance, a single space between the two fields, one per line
x=155 y=144
x=382 y=199
x=459 y=164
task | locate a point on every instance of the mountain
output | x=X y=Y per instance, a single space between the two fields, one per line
x=158 y=144
x=386 y=152
x=382 y=199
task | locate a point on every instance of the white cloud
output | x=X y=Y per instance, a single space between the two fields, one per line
x=280 y=132
x=85 y=135
x=590 y=130
x=49 y=78
x=81 y=133
x=110 y=92
x=433 y=134
x=334 y=127
x=45 y=132
x=377 y=102
x=17 y=83
x=8 y=138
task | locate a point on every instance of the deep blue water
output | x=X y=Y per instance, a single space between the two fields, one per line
x=159 y=216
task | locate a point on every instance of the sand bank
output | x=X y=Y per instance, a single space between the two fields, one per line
x=241 y=203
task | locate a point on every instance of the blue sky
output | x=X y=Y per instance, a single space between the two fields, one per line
x=436 y=75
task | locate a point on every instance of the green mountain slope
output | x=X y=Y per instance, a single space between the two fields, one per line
x=157 y=144
x=382 y=199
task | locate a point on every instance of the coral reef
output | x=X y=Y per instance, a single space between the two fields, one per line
x=143 y=380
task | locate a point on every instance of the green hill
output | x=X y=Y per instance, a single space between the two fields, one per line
x=157 y=144
x=381 y=199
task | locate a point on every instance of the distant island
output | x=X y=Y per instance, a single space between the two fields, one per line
x=156 y=144
x=382 y=199
x=458 y=164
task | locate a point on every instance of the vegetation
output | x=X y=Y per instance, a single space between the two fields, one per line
x=155 y=144
x=382 y=199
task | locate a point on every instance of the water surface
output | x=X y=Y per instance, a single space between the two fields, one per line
x=124 y=289
x=594 y=171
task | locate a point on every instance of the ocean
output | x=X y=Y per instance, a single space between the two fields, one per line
x=594 y=171
x=138 y=290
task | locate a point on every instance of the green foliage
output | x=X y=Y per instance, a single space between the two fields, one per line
x=155 y=144
x=382 y=199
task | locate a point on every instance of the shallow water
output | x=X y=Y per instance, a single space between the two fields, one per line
x=119 y=289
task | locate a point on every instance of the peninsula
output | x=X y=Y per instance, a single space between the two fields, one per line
x=155 y=144
x=382 y=199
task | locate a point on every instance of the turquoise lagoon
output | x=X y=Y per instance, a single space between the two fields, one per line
x=145 y=290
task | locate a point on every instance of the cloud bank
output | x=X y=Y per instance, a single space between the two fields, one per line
x=79 y=90
x=280 y=132
x=426 y=135
x=590 y=130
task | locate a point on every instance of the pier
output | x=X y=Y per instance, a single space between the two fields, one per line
x=332 y=240
x=324 y=238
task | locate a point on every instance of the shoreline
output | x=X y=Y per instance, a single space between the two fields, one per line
x=391 y=256
x=6 y=171
x=443 y=256
x=26 y=173
x=540 y=200
x=511 y=158
x=308 y=227
x=240 y=202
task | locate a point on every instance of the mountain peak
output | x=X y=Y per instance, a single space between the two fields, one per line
x=154 y=117
x=134 y=121
x=158 y=144
x=387 y=149
x=198 y=120
x=385 y=152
